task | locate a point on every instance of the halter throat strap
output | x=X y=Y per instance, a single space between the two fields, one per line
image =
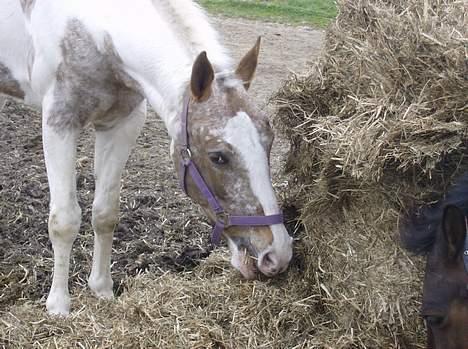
x=188 y=168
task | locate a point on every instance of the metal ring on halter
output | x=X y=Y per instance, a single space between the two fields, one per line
x=186 y=155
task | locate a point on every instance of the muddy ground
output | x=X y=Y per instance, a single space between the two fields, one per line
x=160 y=229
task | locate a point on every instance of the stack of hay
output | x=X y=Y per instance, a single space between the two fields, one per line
x=378 y=125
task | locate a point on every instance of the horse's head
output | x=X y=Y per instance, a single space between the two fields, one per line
x=440 y=233
x=445 y=295
x=230 y=142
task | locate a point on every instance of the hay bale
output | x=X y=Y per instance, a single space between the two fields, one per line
x=389 y=92
x=378 y=125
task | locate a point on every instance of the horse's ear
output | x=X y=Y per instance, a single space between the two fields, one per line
x=202 y=78
x=246 y=68
x=454 y=230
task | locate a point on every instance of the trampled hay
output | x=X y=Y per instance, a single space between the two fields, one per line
x=377 y=126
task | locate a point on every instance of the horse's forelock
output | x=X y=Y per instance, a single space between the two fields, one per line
x=419 y=230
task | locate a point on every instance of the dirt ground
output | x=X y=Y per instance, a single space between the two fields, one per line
x=160 y=229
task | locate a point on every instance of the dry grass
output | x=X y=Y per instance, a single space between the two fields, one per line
x=208 y=308
x=378 y=125
x=389 y=91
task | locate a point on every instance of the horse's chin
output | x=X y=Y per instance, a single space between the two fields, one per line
x=248 y=268
x=242 y=261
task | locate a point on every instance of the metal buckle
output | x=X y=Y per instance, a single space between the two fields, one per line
x=223 y=217
x=186 y=155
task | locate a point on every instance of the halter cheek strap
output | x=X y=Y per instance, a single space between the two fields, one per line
x=188 y=167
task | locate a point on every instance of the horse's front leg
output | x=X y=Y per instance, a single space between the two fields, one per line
x=59 y=143
x=112 y=150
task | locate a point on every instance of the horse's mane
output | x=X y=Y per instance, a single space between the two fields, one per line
x=418 y=232
x=193 y=26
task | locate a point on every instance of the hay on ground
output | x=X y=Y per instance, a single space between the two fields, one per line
x=378 y=124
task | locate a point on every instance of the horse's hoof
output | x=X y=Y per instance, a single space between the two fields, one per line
x=102 y=288
x=58 y=305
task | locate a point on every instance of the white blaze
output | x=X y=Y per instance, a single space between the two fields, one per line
x=242 y=134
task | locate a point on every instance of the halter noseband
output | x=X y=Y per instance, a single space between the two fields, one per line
x=223 y=219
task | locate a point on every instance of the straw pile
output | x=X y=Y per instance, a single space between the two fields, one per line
x=378 y=125
x=210 y=307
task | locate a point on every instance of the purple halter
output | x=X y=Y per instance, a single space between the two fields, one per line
x=223 y=219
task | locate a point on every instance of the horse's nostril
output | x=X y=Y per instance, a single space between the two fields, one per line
x=267 y=259
x=268 y=264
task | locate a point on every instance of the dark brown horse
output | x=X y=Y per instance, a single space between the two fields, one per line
x=440 y=232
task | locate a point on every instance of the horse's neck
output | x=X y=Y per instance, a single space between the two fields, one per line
x=174 y=35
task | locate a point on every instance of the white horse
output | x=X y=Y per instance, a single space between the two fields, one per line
x=97 y=62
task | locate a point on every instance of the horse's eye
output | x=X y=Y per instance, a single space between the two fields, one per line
x=218 y=158
x=434 y=320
